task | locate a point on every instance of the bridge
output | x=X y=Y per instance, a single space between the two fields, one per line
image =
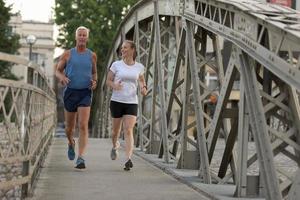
x=246 y=53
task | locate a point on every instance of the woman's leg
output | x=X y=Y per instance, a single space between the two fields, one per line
x=128 y=125
x=83 y=119
x=116 y=128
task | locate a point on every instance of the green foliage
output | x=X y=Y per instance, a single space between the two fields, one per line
x=9 y=42
x=102 y=17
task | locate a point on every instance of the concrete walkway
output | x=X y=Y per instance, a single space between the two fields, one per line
x=105 y=179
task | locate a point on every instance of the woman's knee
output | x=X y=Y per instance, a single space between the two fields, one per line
x=116 y=129
x=128 y=130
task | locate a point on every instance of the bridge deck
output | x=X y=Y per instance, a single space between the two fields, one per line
x=104 y=178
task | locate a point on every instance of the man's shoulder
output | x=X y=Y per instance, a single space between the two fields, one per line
x=90 y=50
x=66 y=54
x=93 y=54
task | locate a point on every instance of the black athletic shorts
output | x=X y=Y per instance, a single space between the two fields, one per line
x=74 y=98
x=118 y=109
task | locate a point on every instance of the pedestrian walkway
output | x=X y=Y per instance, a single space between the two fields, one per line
x=105 y=179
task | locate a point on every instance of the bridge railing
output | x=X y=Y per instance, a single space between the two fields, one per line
x=27 y=124
x=247 y=53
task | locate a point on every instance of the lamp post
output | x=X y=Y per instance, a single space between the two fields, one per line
x=30 y=40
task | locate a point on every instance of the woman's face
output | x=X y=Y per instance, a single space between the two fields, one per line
x=126 y=50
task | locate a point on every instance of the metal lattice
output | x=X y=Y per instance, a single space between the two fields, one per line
x=247 y=54
x=27 y=123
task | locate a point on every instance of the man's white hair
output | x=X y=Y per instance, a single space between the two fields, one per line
x=82 y=28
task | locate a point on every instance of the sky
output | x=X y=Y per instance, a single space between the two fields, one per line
x=38 y=10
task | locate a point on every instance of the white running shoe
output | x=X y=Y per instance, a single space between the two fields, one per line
x=114 y=151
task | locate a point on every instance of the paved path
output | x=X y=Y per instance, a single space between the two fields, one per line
x=105 y=179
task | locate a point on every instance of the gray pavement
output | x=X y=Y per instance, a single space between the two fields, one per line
x=190 y=178
x=105 y=179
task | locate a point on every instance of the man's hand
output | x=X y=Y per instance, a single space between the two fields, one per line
x=64 y=80
x=93 y=84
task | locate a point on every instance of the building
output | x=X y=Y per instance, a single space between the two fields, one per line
x=42 y=49
x=295 y=4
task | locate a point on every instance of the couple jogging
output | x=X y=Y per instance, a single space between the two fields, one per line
x=77 y=71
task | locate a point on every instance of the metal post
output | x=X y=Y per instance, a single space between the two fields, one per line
x=30 y=51
x=204 y=171
x=159 y=67
x=25 y=168
x=259 y=128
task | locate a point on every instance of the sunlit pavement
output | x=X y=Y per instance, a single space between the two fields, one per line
x=105 y=179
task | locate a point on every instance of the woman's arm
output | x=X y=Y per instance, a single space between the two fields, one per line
x=110 y=81
x=143 y=86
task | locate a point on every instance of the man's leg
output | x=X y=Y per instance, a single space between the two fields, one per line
x=83 y=119
x=70 y=119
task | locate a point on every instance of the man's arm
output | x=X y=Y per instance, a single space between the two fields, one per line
x=94 y=71
x=59 y=72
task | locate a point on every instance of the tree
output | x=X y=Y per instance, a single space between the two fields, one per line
x=9 y=42
x=102 y=17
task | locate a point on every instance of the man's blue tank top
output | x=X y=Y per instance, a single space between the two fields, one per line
x=79 y=69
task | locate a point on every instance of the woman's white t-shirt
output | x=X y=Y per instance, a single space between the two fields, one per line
x=128 y=76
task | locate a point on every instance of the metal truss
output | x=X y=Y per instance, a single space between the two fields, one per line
x=245 y=53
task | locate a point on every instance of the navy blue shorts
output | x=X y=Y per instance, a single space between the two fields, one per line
x=118 y=109
x=74 y=98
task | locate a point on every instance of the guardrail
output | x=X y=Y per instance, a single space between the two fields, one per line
x=27 y=124
x=253 y=51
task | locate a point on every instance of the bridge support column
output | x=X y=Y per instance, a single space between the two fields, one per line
x=259 y=129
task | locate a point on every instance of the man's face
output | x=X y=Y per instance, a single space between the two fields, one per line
x=82 y=37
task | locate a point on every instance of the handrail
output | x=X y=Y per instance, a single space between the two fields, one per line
x=27 y=124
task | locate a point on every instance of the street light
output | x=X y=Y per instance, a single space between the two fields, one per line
x=29 y=74
x=30 y=40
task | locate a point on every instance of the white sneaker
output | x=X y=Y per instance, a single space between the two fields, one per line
x=118 y=144
x=114 y=154
x=114 y=151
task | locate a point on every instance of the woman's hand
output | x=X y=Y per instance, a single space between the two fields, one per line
x=144 y=90
x=143 y=85
x=118 y=86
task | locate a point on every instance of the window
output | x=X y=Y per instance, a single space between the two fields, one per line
x=34 y=57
